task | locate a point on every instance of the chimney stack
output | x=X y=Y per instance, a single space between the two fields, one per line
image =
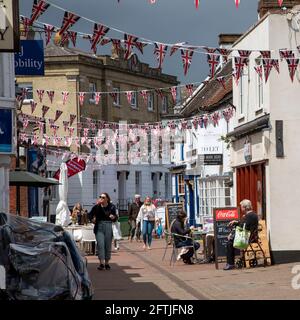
x=265 y=6
x=226 y=40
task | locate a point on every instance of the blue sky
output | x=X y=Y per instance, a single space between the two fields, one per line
x=167 y=21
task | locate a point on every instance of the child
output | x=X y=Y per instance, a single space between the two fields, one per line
x=159 y=229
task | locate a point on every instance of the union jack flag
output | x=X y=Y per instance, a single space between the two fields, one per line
x=286 y=54
x=221 y=80
x=99 y=32
x=259 y=71
x=266 y=54
x=174 y=93
x=239 y=66
x=33 y=106
x=73 y=36
x=215 y=117
x=72 y=118
x=71 y=130
x=140 y=46
x=224 y=53
x=97 y=97
x=267 y=68
x=190 y=89
x=66 y=125
x=228 y=114
x=293 y=65
x=245 y=55
x=186 y=56
x=81 y=98
x=40 y=94
x=39 y=7
x=64 y=38
x=213 y=61
x=114 y=95
x=44 y=111
x=160 y=52
x=105 y=41
x=50 y=94
x=57 y=115
x=160 y=93
x=41 y=127
x=144 y=94
x=129 y=41
x=275 y=64
x=65 y=95
x=173 y=49
x=210 y=50
x=69 y=20
x=49 y=29
x=26 y=25
x=129 y=95
x=117 y=45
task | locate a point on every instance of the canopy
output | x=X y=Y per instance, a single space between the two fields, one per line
x=29 y=179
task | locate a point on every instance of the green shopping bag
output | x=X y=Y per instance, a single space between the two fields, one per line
x=241 y=238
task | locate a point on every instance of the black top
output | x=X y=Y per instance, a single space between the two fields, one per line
x=134 y=210
x=103 y=213
x=251 y=221
x=179 y=228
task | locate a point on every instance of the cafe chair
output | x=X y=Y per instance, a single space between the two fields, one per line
x=88 y=238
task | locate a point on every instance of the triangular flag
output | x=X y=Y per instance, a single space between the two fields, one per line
x=44 y=111
x=160 y=51
x=57 y=115
x=65 y=95
x=97 y=97
x=292 y=65
x=174 y=94
x=69 y=20
x=50 y=95
x=33 y=106
x=186 y=56
x=129 y=41
x=40 y=94
x=81 y=98
x=49 y=29
x=129 y=95
x=39 y=7
x=72 y=118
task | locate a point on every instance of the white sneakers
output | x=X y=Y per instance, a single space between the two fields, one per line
x=182 y=252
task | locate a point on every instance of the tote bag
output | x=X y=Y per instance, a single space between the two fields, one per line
x=241 y=238
x=117 y=234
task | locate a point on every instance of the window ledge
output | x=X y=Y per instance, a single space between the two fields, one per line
x=241 y=118
x=259 y=111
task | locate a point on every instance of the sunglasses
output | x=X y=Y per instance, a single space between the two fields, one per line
x=102 y=197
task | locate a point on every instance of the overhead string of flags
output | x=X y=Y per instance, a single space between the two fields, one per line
x=131 y=42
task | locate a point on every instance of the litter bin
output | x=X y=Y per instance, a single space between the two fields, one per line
x=124 y=226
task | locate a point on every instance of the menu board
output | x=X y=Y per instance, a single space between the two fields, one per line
x=172 y=210
x=222 y=217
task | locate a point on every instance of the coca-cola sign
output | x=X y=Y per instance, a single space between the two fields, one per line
x=227 y=214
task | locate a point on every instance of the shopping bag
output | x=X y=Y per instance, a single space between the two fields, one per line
x=241 y=238
x=117 y=234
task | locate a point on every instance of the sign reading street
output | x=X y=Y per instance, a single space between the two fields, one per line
x=30 y=60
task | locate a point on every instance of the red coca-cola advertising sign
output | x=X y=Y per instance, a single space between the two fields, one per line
x=227 y=214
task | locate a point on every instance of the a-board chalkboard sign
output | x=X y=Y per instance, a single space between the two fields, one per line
x=172 y=210
x=222 y=217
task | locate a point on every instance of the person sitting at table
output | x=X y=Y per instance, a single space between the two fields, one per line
x=180 y=227
x=77 y=213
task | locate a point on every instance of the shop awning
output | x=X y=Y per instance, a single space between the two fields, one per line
x=178 y=169
x=28 y=179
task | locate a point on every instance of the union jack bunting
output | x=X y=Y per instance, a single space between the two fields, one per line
x=69 y=20
x=51 y=122
x=129 y=42
x=174 y=93
x=64 y=38
x=81 y=98
x=245 y=55
x=40 y=94
x=25 y=123
x=224 y=53
x=117 y=45
x=239 y=66
x=114 y=96
x=213 y=61
x=57 y=115
x=97 y=97
x=26 y=25
x=267 y=68
x=237 y=2
x=215 y=117
x=49 y=29
x=144 y=94
x=160 y=93
x=275 y=64
x=44 y=111
x=73 y=36
x=227 y=114
x=160 y=51
x=293 y=65
x=41 y=127
x=65 y=95
x=221 y=80
x=140 y=46
x=266 y=54
x=50 y=94
x=190 y=89
x=71 y=131
x=205 y=121
x=99 y=32
x=33 y=106
x=54 y=129
x=210 y=50
x=39 y=7
x=129 y=95
x=197 y=3
x=259 y=71
x=173 y=50
x=195 y=123
x=280 y=2
x=105 y=41
x=286 y=54
x=72 y=118
x=186 y=56
x=66 y=125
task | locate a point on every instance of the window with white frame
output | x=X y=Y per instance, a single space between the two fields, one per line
x=213 y=193
x=180 y=184
x=96 y=178
x=92 y=89
x=117 y=100
x=150 y=101
x=164 y=104
x=134 y=100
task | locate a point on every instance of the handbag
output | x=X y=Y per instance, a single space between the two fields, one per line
x=241 y=238
x=117 y=234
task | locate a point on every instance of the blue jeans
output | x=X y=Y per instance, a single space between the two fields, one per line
x=148 y=227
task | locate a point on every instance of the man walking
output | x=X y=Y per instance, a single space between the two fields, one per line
x=133 y=212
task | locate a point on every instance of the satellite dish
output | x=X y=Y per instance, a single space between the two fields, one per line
x=295 y=22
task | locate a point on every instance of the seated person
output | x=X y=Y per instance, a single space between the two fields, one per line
x=210 y=242
x=179 y=227
x=250 y=219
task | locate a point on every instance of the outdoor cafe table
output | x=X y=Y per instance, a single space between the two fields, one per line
x=201 y=235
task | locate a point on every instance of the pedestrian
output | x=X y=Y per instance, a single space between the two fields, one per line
x=133 y=212
x=250 y=219
x=147 y=217
x=104 y=214
x=117 y=234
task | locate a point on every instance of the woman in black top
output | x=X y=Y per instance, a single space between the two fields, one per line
x=103 y=214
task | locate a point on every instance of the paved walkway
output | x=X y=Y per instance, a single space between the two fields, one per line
x=142 y=275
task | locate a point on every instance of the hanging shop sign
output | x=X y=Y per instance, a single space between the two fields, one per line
x=9 y=26
x=6 y=131
x=30 y=60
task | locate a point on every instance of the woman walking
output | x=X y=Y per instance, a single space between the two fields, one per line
x=104 y=214
x=147 y=216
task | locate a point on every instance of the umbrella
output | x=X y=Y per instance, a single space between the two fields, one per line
x=28 y=179
x=62 y=210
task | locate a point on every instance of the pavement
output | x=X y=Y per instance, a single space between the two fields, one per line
x=138 y=274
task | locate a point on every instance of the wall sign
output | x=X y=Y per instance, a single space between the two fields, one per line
x=247 y=150
x=6 y=131
x=9 y=26
x=30 y=60
x=212 y=159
